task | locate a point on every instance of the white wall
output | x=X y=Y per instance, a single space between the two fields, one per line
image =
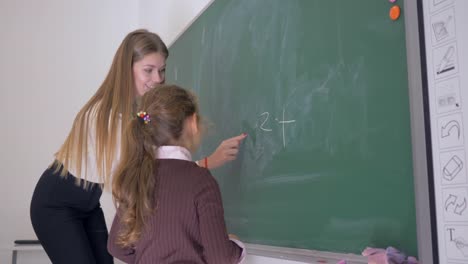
x=53 y=56
x=170 y=18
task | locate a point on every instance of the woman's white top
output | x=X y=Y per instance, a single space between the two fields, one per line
x=89 y=169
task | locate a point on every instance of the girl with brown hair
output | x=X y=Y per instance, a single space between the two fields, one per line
x=169 y=209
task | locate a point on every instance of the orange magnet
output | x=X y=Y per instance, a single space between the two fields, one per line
x=395 y=12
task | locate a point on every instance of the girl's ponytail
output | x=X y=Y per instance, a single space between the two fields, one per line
x=134 y=185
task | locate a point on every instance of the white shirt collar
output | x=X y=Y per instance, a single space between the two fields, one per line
x=173 y=152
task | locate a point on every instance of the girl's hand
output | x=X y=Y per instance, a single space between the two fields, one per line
x=232 y=236
x=226 y=151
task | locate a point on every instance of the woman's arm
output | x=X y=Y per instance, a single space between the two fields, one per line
x=226 y=151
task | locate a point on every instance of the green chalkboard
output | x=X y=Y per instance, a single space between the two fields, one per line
x=320 y=86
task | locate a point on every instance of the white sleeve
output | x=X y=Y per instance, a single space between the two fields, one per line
x=242 y=246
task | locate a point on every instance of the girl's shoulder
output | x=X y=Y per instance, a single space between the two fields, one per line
x=204 y=177
x=189 y=170
x=185 y=172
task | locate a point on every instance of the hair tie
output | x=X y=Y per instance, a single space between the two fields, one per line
x=144 y=117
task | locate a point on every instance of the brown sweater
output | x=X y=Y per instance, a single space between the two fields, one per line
x=188 y=226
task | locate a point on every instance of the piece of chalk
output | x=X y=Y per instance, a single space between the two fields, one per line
x=341 y=262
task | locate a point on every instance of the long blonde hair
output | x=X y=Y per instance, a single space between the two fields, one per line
x=111 y=104
x=135 y=184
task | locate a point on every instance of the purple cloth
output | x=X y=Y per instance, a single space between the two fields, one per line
x=390 y=255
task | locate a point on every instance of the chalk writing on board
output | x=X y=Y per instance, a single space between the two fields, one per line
x=266 y=115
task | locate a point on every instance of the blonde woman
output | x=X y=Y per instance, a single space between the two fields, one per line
x=65 y=210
